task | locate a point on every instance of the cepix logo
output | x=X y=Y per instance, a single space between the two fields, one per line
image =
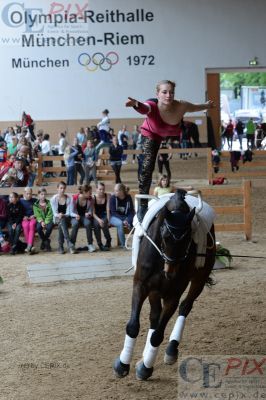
x=222 y=377
x=98 y=61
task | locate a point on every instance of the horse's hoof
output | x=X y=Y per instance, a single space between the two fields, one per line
x=121 y=370
x=143 y=373
x=171 y=353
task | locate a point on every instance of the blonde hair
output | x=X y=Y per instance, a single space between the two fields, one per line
x=165 y=82
x=160 y=181
x=122 y=188
x=67 y=152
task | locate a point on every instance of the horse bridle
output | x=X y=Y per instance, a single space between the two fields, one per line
x=170 y=228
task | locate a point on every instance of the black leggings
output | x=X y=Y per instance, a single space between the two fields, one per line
x=150 y=150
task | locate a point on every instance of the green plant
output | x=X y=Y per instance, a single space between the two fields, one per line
x=223 y=255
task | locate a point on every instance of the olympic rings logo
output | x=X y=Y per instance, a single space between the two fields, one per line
x=98 y=60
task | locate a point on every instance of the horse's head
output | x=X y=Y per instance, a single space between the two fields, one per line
x=176 y=231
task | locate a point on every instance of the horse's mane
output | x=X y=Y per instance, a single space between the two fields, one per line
x=178 y=201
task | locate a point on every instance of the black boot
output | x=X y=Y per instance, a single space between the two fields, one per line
x=143 y=208
x=108 y=244
x=103 y=248
x=48 y=245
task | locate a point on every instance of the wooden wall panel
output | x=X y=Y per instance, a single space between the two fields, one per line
x=213 y=93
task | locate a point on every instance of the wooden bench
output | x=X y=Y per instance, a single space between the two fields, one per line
x=238 y=197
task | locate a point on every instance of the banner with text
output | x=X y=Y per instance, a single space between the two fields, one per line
x=71 y=60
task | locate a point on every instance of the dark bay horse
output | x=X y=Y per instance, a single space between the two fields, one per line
x=162 y=275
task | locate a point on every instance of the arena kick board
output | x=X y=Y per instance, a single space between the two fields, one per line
x=79 y=270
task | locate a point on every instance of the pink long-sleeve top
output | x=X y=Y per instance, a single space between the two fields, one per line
x=153 y=126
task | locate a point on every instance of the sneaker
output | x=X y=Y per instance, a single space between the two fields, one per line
x=33 y=251
x=72 y=250
x=61 y=250
x=103 y=248
x=28 y=249
x=91 y=248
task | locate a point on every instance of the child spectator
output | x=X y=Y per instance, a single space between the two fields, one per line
x=101 y=216
x=15 y=212
x=21 y=172
x=12 y=147
x=69 y=156
x=121 y=211
x=29 y=220
x=81 y=213
x=90 y=158
x=116 y=153
x=78 y=159
x=61 y=206
x=44 y=215
x=163 y=186
x=29 y=163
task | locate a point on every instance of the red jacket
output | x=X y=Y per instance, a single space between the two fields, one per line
x=27 y=120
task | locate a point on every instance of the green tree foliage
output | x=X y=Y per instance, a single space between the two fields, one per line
x=236 y=79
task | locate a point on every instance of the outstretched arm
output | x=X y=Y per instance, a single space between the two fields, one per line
x=190 y=107
x=140 y=107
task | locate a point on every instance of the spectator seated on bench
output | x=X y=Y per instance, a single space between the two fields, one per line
x=61 y=205
x=81 y=215
x=101 y=216
x=121 y=211
x=44 y=215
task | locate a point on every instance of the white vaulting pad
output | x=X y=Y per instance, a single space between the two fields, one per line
x=79 y=269
x=201 y=225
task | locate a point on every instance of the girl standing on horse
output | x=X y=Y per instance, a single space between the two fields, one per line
x=163 y=120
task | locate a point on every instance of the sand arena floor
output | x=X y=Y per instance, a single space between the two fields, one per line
x=58 y=341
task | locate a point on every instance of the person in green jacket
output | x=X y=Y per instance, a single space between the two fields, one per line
x=44 y=215
x=251 y=129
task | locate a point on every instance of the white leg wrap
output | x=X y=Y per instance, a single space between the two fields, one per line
x=150 y=332
x=178 y=329
x=127 y=352
x=150 y=356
